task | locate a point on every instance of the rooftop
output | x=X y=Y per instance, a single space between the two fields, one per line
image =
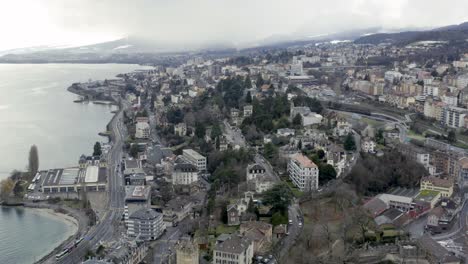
x=193 y=153
x=145 y=214
x=399 y=191
x=235 y=244
x=303 y=161
x=137 y=192
x=447 y=183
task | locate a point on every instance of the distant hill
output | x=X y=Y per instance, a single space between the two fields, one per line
x=448 y=33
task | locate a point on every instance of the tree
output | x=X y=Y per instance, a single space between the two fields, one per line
x=279 y=198
x=6 y=186
x=216 y=131
x=270 y=151
x=326 y=173
x=33 y=161
x=349 y=143
x=320 y=153
x=247 y=82
x=452 y=137
x=134 y=150
x=248 y=98
x=259 y=81
x=97 y=149
x=297 y=120
x=200 y=130
x=278 y=218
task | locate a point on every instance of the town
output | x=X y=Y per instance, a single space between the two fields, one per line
x=322 y=153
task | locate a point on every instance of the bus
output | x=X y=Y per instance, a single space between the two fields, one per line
x=78 y=241
x=61 y=254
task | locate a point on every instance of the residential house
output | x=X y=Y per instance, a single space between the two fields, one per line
x=177 y=210
x=180 y=129
x=285 y=132
x=187 y=252
x=233 y=215
x=235 y=250
x=258 y=232
x=248 y=110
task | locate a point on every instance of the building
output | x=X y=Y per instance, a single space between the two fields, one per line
x=195 y=158
x=177 y=210
x=136 y=198
x=432 y=183
x=91 y=175
x=368 y=146
x=308 y=117
x=463 y=172
x=184 y=174
x=303 y=172
x=145 y=225
x=254 y=171
x=259 y=232
x=180 y=129
x=142 y=130
x=248 y=110
x=233 y=215
x=454 y=116
x=187 y=252
x=462 y=81
x=234 y=250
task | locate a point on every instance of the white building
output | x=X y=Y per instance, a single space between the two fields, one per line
x=142 y=130
x=368 y=146
x=303 y=172
x=454 y=116
x=431 y=90
x=234 y=250
x=392 y=75
x=462 y=81
x=145 y=225
x=184 y=174
x=308 y=117
x=195 y=158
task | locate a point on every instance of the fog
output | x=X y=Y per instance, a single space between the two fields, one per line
x=200 y=22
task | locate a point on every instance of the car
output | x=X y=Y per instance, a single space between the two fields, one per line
x=300 y=224
x=290 y=221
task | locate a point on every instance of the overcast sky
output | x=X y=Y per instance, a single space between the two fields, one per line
x=25 y=23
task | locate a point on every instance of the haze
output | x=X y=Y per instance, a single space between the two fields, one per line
x=25 y=23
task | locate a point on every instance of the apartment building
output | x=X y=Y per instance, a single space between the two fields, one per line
x=303 y=172
x=184 y=174
x=454 y=116
x=146 y=225
x=195 y=158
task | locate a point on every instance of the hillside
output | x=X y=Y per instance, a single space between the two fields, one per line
x=449 y=33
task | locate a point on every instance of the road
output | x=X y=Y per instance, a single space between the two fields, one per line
x=104 y=229
x=234 y=135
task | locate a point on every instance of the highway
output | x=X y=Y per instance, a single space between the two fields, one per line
x=104 y=229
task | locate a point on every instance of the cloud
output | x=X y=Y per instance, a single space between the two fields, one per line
x=189 y=22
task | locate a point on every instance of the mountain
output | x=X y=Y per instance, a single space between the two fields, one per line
x=447 y=33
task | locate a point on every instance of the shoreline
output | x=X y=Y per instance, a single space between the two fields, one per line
x=47 y=211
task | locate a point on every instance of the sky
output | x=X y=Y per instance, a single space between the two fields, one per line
x=26 y=23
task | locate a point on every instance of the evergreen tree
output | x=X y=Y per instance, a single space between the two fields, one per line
x=349 y=143
x=247 y=82
x=97 y=149
x=297 y=120
x=248 y=98
x=33 y=161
